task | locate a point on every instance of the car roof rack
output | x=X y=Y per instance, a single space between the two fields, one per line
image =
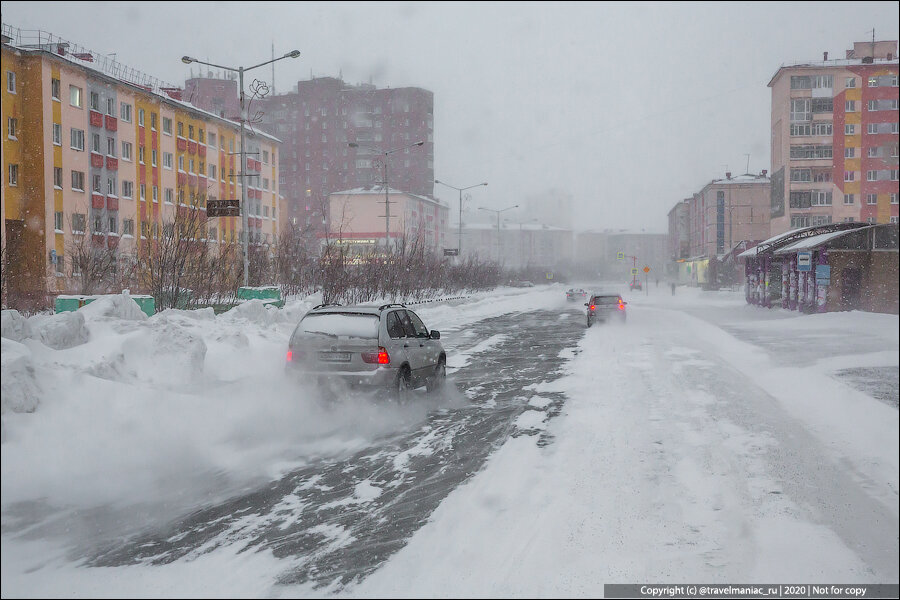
x=326 y=304
x=389 y=305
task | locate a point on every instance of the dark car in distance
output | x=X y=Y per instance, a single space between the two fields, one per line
x=603 y=307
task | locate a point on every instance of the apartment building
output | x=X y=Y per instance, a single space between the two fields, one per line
x=834 y=139
x=356 y=219
x=102 y=156
x=728 y=211
x=322 y=117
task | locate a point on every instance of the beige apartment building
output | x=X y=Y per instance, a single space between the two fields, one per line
x=357 y=220
x=98 y=156
x=835 y=138
x=728 y=211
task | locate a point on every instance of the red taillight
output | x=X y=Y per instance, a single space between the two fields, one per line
x=381 y=357
x=621 y=306
x=592 y=307
x=290 y=356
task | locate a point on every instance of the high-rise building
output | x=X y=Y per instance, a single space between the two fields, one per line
x=319 y=120
x=834 y=139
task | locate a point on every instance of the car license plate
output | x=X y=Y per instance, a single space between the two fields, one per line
x=334 y=356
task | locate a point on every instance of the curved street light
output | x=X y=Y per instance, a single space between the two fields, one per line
x=387 y=202
x=493 y=210
x=461 y=190
x=245 y=233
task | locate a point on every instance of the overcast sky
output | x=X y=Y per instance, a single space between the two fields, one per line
x=630 y=107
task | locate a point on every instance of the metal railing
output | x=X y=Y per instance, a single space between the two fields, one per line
x=36 y=39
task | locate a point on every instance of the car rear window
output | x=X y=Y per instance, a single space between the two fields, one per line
x=340 y=324
x=606 y=300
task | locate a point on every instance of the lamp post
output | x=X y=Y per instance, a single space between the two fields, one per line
x=461 y=190
x=245 y=233
x=493 y=210
x=387 y=202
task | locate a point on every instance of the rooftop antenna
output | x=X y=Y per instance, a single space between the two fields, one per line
x=273 y=67
x=748 y=164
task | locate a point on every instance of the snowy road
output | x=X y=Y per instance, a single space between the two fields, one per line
x=704 y=440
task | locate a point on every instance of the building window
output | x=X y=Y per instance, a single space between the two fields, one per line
x=871 y=175
x=799 y=175
x=125 y=112
x=850 y=106
x=849 y=199
x=77 y=139
x=822 y=128
x=872 y=128
x=820 y=198
x=75 y=96
x=873 y=81
x=95 y=143
x=141 y=154
x=190 y=132
x=127 y=189
x=797 y=129
x=95 y=101
x=57 y=177
x=851 y=82
x=168 y=160
x=111 y=107
x=850 y=152
x=97 y=184
x=874 y=151
x=895 y=219
x=111 y=186
x=79 y=220
x=141 y=117
x=113 y=225
x=849 y=129
x=58 y=221
x=170 y=195
x=798 y=221
x=126 y=151
x=180 y=129
x=13 y=175
x=871 y=199
x=212 y=139
x=167 y=125
x=156 y=194
x=57 y=134
x=212 y=171
x=54 y=89
x=816 y=220
x=153 y=155
x=10 y=82
x=849 y=175
x=128 y=227
x=894 y=174
x=111 y=147
x=78 y=181
x=181 y=163
x=893 y=198
x=143 y=192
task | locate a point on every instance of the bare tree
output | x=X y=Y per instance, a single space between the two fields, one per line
x=173 y=251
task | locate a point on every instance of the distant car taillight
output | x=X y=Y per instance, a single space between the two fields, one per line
x=290 y=356
x=380 y=358
x=621 y=306
x=592 y=307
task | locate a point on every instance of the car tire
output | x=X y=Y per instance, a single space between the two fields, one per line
x=436 y=381
x=590 y=321
x=402 y=386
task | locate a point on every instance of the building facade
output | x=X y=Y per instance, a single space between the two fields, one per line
x=356 y=219
x=95 y=161
x=834 y=139
x=318 y=122
x=519 y=246
x=728 y=211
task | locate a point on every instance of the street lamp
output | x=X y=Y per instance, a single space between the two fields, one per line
x=245 y=233
x=387 y=202
x=461 y=190
x=493 y=210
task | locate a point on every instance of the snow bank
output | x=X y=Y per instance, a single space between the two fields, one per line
x=15 y=326
x=253 y=311
x=118 y=306
x=168 y=355
x=20 y=391
x=60 y=331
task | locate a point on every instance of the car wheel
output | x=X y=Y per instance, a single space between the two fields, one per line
x=402 y=386
x=436 y=381
x=590 y=321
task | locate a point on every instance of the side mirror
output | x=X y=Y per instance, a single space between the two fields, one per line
x=435 y=334
x=587 y=304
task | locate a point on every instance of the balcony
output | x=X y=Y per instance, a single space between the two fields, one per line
x=112 y=163
x=112 y=124
x=181 y=144
x=96 y=119
x=192 y=147
x=202 y=151
x=112 y=242
x=192 y=180
x=98 y=240
x=96 y=160
x=182 y=178
x=112 y=203
x=97 y=200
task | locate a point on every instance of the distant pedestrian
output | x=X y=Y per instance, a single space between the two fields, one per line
x=673 y=288
x=657 y=282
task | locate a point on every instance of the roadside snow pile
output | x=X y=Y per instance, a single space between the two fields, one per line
x=60 y=331
x=18 y=386
x=167 y=354
x=15 y=326
x=253 y=311
x=114 y=306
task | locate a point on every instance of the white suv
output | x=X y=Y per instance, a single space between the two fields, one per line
x=384 y=346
